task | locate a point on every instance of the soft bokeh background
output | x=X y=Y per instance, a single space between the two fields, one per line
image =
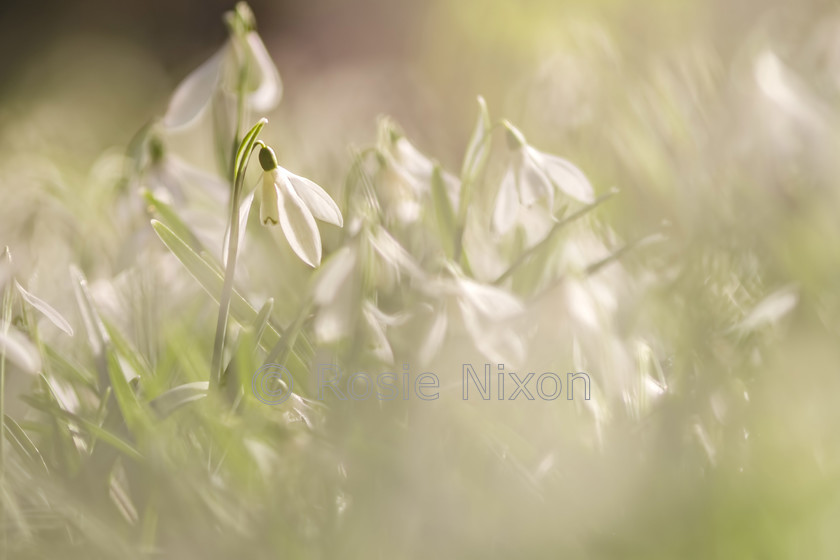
x=713 y=432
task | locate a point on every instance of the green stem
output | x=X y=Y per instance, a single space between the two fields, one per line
x=520 y=260
x=6 y=319
x=227 y=286
x=230 y=268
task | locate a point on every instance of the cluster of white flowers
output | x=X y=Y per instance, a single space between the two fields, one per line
x=401 y=280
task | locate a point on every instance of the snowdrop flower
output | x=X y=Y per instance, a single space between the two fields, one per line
x=408 y=174
x=294 y=202
x=373 y=261
x=200 y=199
x=533 y=175
x=490 y=317
x=244 y=50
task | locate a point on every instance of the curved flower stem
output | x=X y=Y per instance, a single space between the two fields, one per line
x=241 y=159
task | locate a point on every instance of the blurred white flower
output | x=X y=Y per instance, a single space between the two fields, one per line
x=408 y=175
x=294 y=202
x=488 y=315
x=344 y=284
x=200 y=199
x=243 y=51
x=533 y=175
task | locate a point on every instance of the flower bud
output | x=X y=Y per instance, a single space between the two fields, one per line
x=268 y=160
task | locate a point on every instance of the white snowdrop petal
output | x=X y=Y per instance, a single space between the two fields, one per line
x=197 y=183
x=334 y=274
x=407 y=211
x=19 y=350
x=298 y=225
x=269 y=90
x=412 y=160
x=335 y=322
x=394 y=254
x=269 y=200
x=492 y=338
x=379 y=345
x=322 y=206
x=193 y=94
x=566 y=177
x=771 y=309
x=532 y=180
x=488 y=300
x=507 y=204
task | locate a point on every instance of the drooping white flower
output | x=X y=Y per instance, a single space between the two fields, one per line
x=532 y=176
x=244 y=49
x=346 y=281
x=408 y=175
x=294 y=203
x=490 y=317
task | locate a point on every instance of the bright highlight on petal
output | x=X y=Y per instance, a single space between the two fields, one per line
x=317 y=200
x=268 y=90
x=298 y=224
x=533 y=176
x=566 y=177
x=507 y=204
x=262 y=88
x=270 y=199
x=194 y=93
x=295 y=202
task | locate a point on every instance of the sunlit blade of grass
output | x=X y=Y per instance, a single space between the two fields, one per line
x=173 y=221
x=46 y=309
x=444 y=214
x=111 y=371
x=173 y=399
x=25 y=446
x=261 y=321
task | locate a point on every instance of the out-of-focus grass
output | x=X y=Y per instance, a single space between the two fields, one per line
x=712 y=345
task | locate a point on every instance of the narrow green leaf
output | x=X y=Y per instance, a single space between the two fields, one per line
x=444 y=213
x=176 y=397
x=479 y=147
x=261 y=322
x=245 y=147
x=25 y=446
x=46 y=309
x=172 y=220
x=110 y=369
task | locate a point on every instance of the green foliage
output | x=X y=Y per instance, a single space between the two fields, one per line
x=701 y=301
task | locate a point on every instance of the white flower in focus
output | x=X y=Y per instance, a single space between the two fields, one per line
x=244 y=49
x=532 y=176
x=294 y=202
